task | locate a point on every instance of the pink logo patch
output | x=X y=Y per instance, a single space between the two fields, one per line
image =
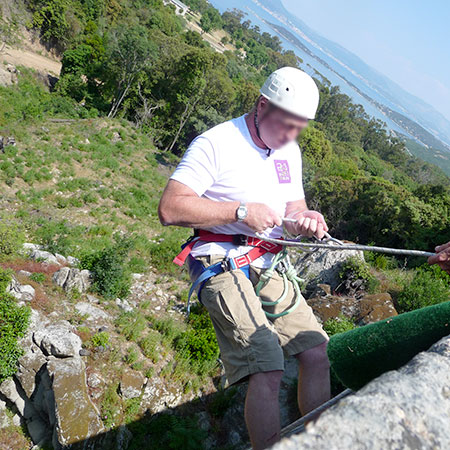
x=282 y=168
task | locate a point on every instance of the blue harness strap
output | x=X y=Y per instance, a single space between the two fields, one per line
x=207 y=273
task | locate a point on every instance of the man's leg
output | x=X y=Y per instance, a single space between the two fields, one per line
x=262 y=409
x=313 y=378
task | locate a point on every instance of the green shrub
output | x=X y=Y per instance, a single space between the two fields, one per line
x=111 y=277
x=100 y=339
x=132 y=355
x=340 y=324
x=199 y=340
x=149 y=346
x=14 y=321
x=39 y=277
x=355 y=268
x=131 y=325
x=429 y=286
x=221 y=401
x=11 y=236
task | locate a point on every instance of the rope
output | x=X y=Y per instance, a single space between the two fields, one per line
x=288 y=273
x=331 y=243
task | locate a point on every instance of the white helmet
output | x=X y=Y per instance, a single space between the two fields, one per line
x=292 y=90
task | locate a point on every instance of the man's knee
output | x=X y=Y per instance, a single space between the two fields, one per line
x=267 y=381
x=315 y=357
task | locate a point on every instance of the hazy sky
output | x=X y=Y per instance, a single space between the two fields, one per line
x=407 y=40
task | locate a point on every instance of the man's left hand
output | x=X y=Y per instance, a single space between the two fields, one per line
x=309 y=223
x=442 y=257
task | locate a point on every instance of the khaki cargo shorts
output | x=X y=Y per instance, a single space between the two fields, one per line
x=249 y=341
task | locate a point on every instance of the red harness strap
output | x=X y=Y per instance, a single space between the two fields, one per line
x=260 y=247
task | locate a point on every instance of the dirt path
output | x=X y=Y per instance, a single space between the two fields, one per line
x=19 y=57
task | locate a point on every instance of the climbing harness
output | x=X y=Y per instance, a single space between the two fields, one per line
x=281 y=262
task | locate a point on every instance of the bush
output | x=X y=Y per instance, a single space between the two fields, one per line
x=100 y=339
x=131 y=325
x=149 y=346
x=357 y=269
x=111 y=277
x=13 y=324
x=340 y=324
x=429 y=286
x=11 y=236
x=199 y=340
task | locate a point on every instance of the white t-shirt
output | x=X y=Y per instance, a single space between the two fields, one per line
x=224 y=164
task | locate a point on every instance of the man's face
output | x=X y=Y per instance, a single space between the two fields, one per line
x=276 y=126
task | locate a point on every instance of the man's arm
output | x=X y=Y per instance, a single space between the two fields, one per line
x=442 y=257
x=181 y=206
x=309 y=223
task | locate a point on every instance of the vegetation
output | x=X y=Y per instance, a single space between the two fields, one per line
x=340 y=324
x=13 y=324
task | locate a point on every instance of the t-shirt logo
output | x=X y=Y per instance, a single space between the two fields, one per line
x=282 y=168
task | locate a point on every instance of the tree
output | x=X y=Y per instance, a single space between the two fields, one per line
x=211 y=20
x=129 y=52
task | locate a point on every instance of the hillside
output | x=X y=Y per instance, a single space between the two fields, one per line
x=82 y=166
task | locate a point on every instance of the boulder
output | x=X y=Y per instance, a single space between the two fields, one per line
x=323 y=266
x=77 y=419
x=403 y=409
x=72 y=278
x=131 y=384
x=58 y=339
x=92 y=312
x=44 y=256
x=368 y=309
x=22 y=292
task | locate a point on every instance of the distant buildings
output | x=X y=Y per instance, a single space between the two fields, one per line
x=180 y=8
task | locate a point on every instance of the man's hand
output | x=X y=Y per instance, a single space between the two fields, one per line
x=442 y=257
x=309 y=223
x=261 y=217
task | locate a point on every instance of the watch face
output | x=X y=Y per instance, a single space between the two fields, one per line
x=242 y=212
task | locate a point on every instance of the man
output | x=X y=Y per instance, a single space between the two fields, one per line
x=442 y=257
x=240 y=178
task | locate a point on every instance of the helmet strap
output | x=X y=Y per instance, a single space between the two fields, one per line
x=256 y=122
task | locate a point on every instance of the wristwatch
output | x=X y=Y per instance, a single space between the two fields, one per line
x=241 y=212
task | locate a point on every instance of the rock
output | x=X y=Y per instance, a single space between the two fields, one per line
x=131 y=384
x=7 y=78
x=403 y=409
x=94 y=313
x=77 y=419
x=323 y=267
x=73 y=261
x=24 y=273
x=29 y=365
x=37 y=428
x=84 y=352
x=94 y=380
x=115 y=137
x=72 y=278
x=124 y=305
x=137 y=276
x=28 y=247
x=156 y=397
x=92 y=298
x=20 y=292
x=124 y=437
x=368 y=309
x=61 y=259
x=58 y=340
x=373 y=308
x=44 y=256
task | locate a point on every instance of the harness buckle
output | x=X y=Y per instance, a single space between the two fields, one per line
x=225 y=265
x=240 y=239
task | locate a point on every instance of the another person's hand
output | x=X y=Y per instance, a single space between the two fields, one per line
x=260 y=217
x=309 y=223
x=442 y=257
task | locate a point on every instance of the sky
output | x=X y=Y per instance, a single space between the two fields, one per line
x=406 y=40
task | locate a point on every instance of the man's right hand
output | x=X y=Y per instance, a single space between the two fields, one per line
x=442 y=257
x=260 y=217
